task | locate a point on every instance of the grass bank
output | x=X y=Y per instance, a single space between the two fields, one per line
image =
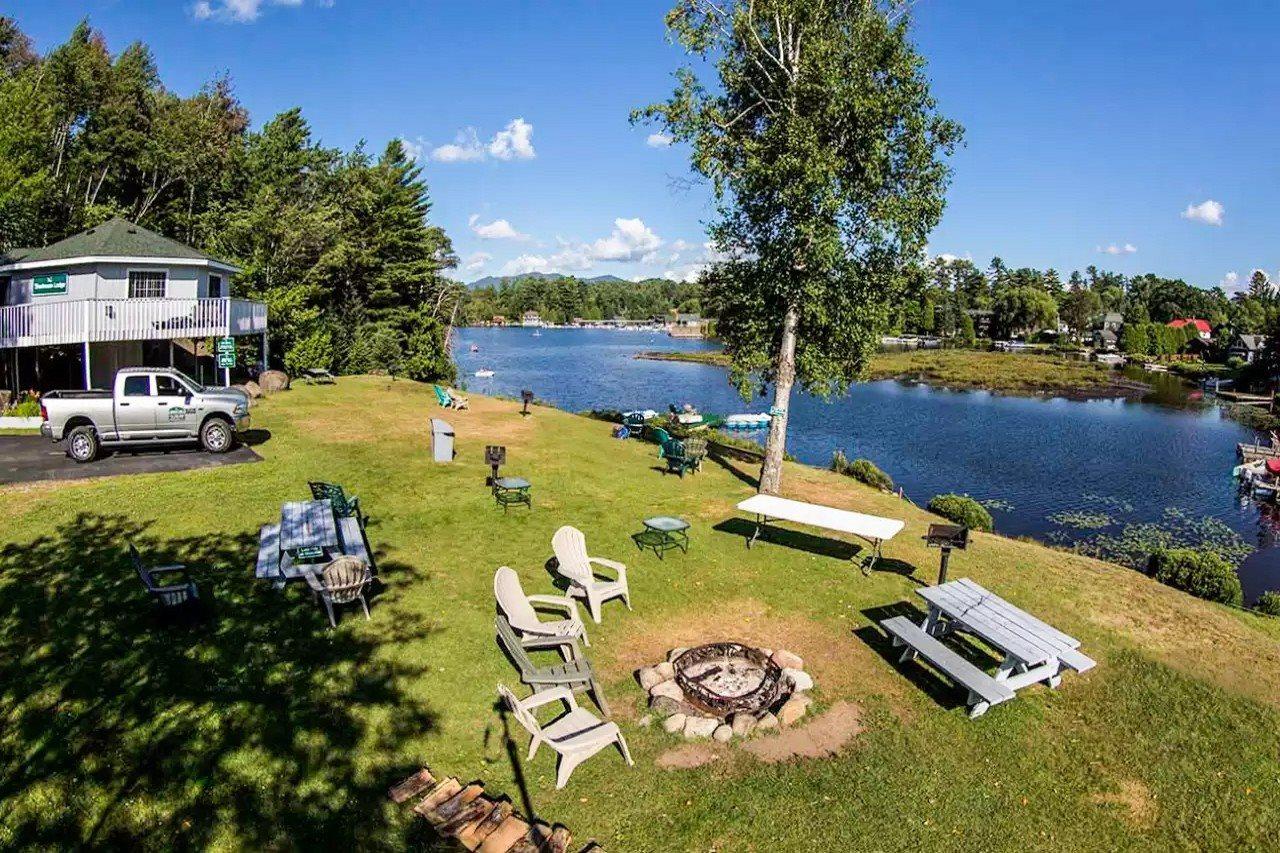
x=1006 y=373
x=261 y=729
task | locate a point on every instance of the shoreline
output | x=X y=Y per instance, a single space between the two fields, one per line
x=970 y=370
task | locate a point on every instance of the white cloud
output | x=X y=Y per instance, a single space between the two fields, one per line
x=567 y=260
x=241 y=11
x=631 y=240
x=465 y=148
x=412 y=148
x=476 y=261
x=498 y=229
x=514 y=142
x=1113 y=249
x=659 y=140
x=1231 y=283
x=1209 y=212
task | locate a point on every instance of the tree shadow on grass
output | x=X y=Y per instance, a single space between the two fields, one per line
x=917 y=671
x=253 y=727
x=728 y=465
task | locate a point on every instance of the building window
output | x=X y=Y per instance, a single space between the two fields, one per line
x=215 y=287
x=147 y=284
x=4 y=289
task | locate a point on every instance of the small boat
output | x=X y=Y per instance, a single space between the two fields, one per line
x=537 y=334
x=1154 y=368
x=750 y=420
x=475 y=348
x=484 y=374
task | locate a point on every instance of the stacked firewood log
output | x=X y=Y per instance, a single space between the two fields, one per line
x=465 y=814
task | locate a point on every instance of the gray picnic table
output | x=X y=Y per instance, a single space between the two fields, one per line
x=308 y=535
x=1033 y=651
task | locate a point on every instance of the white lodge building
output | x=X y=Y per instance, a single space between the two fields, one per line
x=118 y=295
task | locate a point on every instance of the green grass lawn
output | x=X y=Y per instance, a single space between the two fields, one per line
x=259 y=728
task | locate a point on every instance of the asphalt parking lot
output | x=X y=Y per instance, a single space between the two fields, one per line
x=31 y=458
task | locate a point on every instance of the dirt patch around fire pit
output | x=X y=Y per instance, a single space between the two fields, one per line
x=1134 y=799
x=686 y=757
x=823 y=736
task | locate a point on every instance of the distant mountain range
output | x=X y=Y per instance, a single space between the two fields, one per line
x=497 y=280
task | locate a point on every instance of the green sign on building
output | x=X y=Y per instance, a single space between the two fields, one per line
x=49 y=285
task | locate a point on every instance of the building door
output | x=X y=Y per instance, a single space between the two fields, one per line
x=174 y=412
x=135 y=410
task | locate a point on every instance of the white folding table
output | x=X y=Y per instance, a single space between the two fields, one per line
x=873 y=528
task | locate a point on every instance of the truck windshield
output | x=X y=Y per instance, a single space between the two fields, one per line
x=196 y=387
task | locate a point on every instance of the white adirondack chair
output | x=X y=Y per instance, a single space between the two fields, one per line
x=534 y=633
x=575 y=736
x=570 y=548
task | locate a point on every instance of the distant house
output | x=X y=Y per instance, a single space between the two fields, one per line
x=982 y=320
x=1202 y=326
x=1105 y=340
x=531 y=318
x=498 y=320
x=685 y=326
x=1248 y=348
x=1112 y=321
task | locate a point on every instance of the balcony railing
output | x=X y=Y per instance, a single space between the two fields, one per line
x=76 y=321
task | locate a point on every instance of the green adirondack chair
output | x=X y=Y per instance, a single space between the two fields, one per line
x=575 y=674
x=343 y=506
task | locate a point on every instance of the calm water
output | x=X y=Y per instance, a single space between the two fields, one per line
x=1037 y=457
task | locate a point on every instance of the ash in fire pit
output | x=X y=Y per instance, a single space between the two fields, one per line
x=723 y=690
x=721 y=678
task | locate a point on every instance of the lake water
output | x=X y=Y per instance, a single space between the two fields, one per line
x=1033 y=459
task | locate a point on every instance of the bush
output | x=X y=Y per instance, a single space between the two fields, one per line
x=862 y=470
x=27 y=407
x=1269 y=603
x=1202 y=573
x=962 y=509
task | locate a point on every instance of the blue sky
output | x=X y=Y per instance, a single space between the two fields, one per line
x=1147 y=128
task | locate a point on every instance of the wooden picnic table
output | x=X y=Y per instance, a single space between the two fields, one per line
x=1033 y=650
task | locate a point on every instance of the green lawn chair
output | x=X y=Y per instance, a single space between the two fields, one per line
x=442 y=397
x=635 y=423
x=695 y=450
x=343 y=506
x=575 y=674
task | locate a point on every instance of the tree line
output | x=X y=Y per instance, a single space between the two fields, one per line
x=561 y=299
x=1025 y=301
x=337 y=243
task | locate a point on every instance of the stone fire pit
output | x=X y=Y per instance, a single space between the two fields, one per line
x=726 y=690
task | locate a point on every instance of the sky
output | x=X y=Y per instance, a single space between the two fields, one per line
x=1136 y=135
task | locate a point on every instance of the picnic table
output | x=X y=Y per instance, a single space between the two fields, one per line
x=307 y=536
x=1033 y=651
x=873 y=528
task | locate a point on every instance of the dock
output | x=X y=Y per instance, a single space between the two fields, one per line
x=1243 y=399
x=1254 y=452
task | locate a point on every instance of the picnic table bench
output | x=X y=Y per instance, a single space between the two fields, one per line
x=308 y=535
x=1033 y=651
x=873 y=528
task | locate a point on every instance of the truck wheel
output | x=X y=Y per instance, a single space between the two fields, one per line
x=82 y=444
x=216 y=436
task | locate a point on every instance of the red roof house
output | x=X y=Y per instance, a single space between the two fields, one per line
x=1202 y=326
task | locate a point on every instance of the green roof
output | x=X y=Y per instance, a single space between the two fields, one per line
x=113 y=238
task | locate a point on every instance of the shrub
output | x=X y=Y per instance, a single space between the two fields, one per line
x=1202 y=573
x=862 y=470
x=962 y=509
x=1269 y=603
x=27 y=407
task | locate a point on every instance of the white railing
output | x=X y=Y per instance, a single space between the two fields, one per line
x=76 y=321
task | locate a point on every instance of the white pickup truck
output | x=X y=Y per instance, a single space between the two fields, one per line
x=149 y=406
